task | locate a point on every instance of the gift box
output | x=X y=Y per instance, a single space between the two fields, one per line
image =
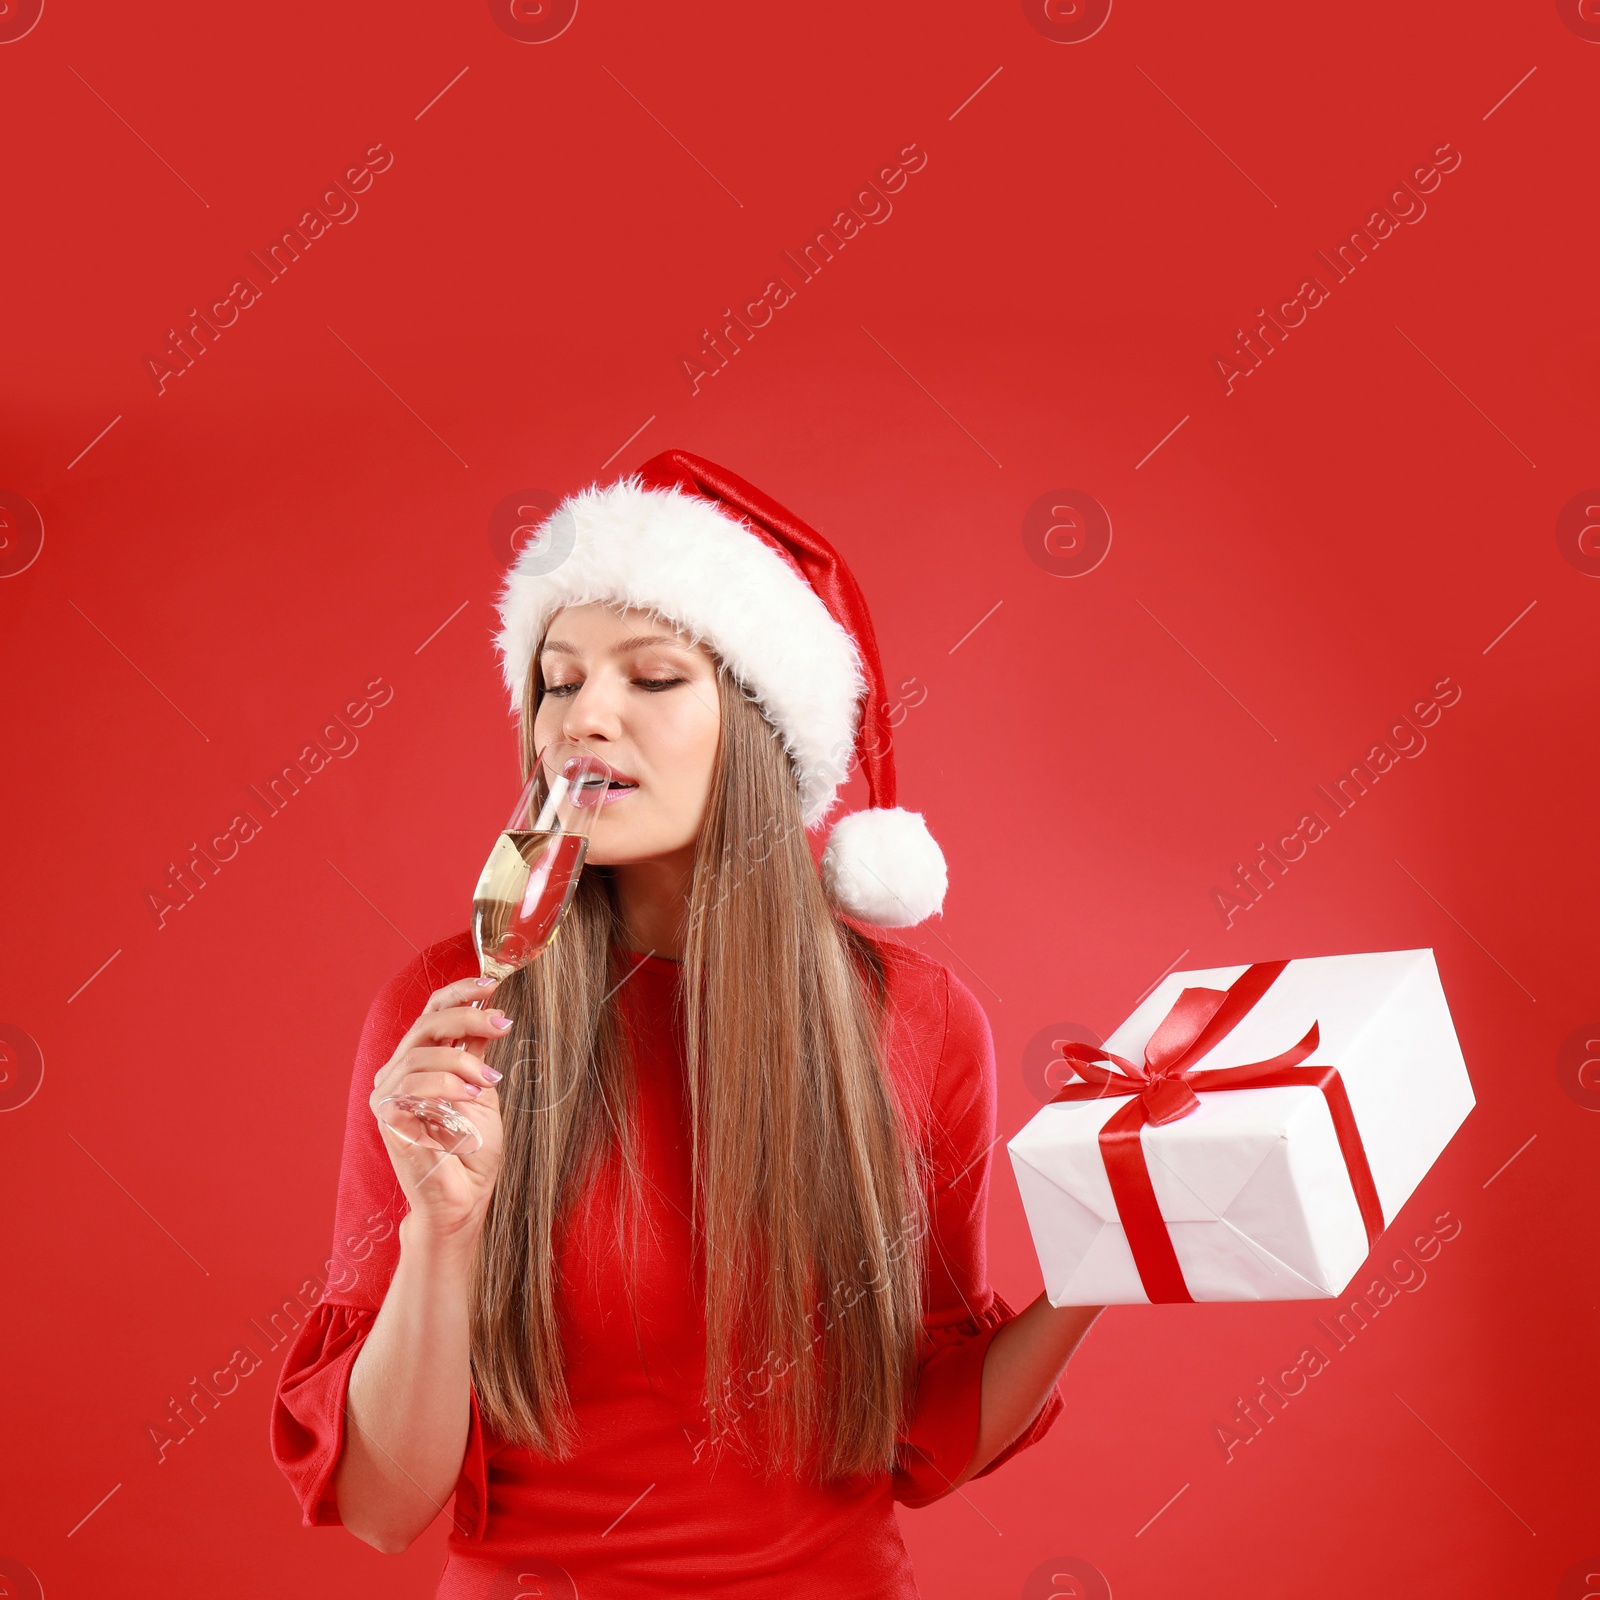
x=1247 y=1134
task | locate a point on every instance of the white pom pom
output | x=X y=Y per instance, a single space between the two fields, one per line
x=883 y=867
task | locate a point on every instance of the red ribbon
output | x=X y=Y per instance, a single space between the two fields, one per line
x=1165 y=1088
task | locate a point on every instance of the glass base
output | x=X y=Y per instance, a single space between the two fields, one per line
x=430 y=1124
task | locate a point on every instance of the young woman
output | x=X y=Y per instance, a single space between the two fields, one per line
x=712 y=1295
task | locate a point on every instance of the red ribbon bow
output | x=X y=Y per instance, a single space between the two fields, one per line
x=1165 y=1088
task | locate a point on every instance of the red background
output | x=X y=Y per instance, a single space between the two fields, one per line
x=307 y=509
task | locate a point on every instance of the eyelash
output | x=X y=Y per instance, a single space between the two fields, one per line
x=649 y=685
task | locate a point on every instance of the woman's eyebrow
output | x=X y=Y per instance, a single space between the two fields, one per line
x=560 y=647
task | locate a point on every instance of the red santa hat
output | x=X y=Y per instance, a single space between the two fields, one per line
x=690 y=541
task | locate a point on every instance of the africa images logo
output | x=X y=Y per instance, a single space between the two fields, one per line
x=335 y=205
x=1403 y=204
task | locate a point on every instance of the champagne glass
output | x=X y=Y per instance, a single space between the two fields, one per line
x=523 y=892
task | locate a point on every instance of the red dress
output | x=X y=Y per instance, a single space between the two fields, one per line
x=643 y=1509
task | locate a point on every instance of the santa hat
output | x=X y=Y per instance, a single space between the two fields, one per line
x=688 y=540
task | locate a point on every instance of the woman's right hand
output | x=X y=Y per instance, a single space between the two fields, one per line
x=449 y=1194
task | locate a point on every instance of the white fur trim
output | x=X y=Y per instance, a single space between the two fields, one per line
x=884 y=867
x=685 y=559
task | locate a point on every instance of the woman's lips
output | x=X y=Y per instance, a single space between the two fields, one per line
x=620 y=793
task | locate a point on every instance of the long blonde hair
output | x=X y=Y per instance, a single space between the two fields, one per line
x=809 y=1192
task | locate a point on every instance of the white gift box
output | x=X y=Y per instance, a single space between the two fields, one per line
x=1252 y=1185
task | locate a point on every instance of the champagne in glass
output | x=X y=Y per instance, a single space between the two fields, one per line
x=523 y=892
x=527 y=885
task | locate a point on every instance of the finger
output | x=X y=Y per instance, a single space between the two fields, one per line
x=462 y=992
x=439 y=1086
x=441 y=1058
x=432 y=1058
x=457 y=1022
x=447 y=1026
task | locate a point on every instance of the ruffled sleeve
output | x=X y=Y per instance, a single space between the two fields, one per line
x=308 y=1410
x=964 y=1312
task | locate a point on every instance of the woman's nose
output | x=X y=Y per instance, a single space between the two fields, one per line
x=594 y=711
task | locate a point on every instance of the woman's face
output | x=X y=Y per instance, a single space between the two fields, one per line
x=635 y=692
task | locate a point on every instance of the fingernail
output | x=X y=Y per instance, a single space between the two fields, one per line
x=474 y=1088
x=487 y=983
x=493 y=1074
x=502 y=1022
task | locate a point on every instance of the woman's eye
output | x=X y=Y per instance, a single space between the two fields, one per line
x=652 y=685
